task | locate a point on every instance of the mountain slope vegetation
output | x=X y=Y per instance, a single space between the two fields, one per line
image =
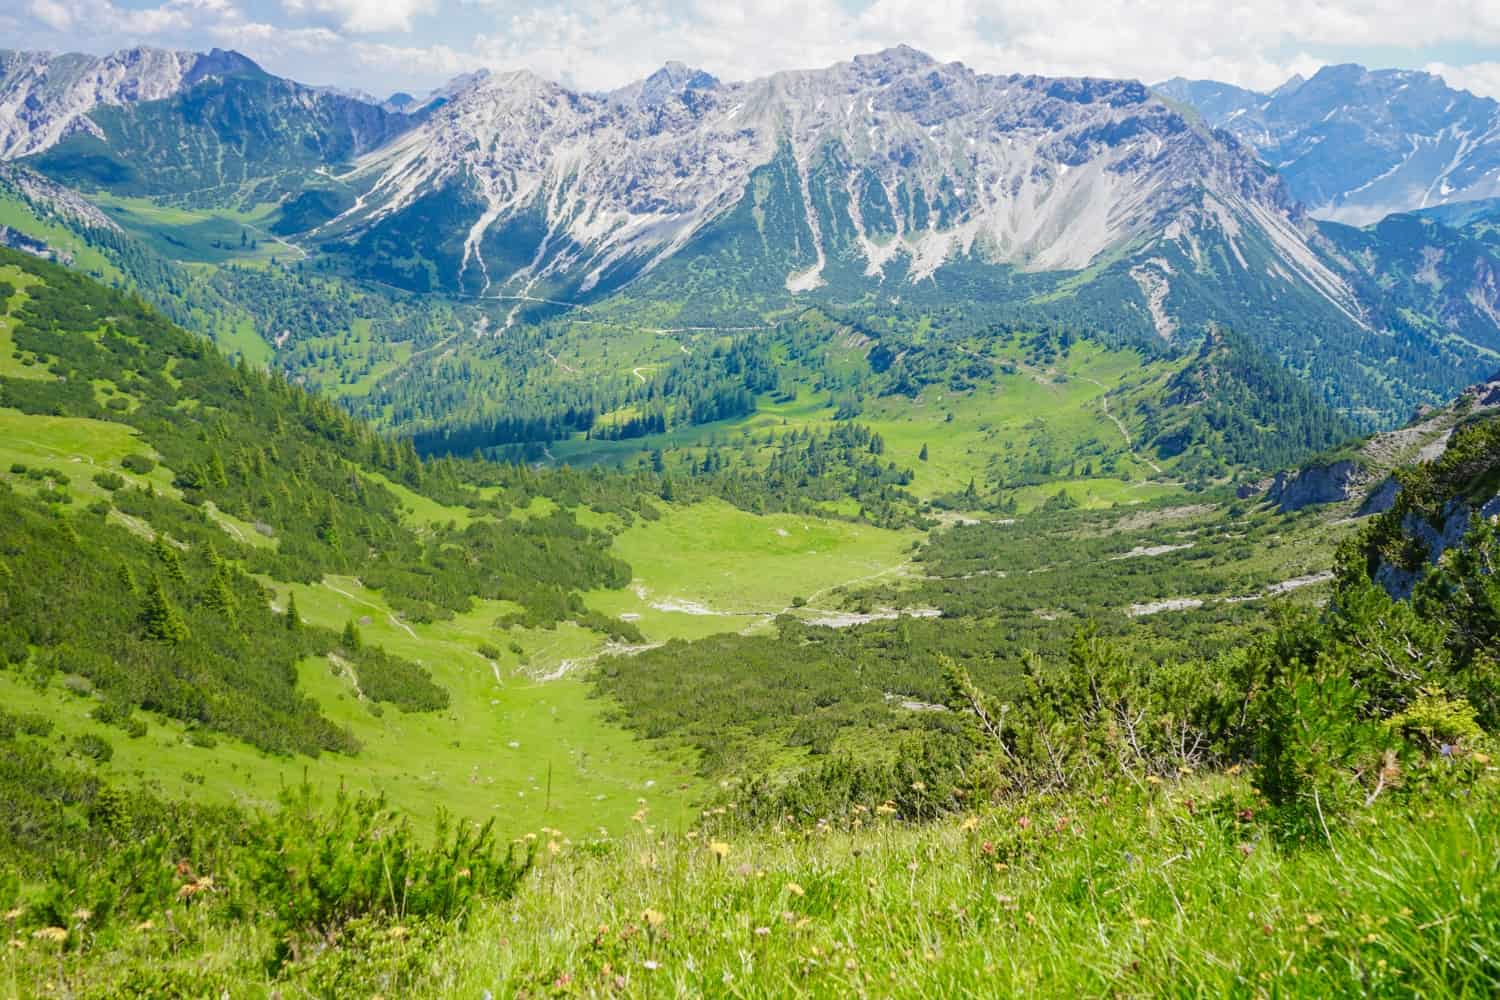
x=884 y=529
x=215 y=582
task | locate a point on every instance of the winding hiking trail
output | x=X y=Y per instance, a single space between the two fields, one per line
x=347 y=669
x=1124 y=431
x=569 y=664
x=303 y=254
x=360 y=600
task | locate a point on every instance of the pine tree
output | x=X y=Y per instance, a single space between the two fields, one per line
x=160 y=620
x=293 y=619
x=220 y=595
x=350 y=640
x=167 y=556
x=328 y=528
x=216 y=474
x=922 y=455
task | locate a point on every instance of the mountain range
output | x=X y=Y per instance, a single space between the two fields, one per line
x=1356 y=145
x=888 y=180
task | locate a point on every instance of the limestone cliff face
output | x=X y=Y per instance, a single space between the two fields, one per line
x=1447 y=532
x=1425 y=439
x=1316 y=484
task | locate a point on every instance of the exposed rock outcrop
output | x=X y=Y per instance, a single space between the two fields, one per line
x=1381 y=499
x=1315 y=484
x=1437 y=538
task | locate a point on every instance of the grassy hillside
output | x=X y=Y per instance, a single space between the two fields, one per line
x=701 y=724
x=166 y=465
x=134 y=429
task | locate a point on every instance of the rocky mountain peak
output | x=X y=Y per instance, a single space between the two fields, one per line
x=890 y=163
x=44 y=97
x=673 y=81
x=1293 y=82
x=890 y=62
x=222 y=63
x=1356 y=144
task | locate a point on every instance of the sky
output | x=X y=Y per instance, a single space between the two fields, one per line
x=381 y=46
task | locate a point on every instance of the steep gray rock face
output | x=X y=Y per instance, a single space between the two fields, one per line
x=17 y=240
x=1381 y=499
x=893 y=161
x=45 y=97
x=1356 y=145
x=1447 y=533
x=50 y=198
x=1316 y=484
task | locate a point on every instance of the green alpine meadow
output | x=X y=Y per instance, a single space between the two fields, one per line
x=902 y=528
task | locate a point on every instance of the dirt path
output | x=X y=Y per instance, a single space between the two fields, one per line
x=1124 y=431
x=568 y=665
x=218 y=515
x=277 y=239
x=561 y=363
x=359 y=600
x=903 y=564
x=347 y=669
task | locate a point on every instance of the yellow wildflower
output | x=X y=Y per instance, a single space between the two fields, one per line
x=795 y=889
x=653 y=918
x=969 y=824
x=719 y=849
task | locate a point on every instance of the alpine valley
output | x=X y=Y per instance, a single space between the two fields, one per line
x=888 y=529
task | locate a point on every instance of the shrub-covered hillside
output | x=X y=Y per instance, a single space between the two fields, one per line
x=1068 y=751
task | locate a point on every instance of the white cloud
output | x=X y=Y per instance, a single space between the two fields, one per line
x=365 y=16
x=90 y=19
x=54 y=15
x=598 y=44
x=1251 y=44
x=1478 y=78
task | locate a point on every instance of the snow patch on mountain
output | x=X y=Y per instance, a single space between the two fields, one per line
x=1040 y=174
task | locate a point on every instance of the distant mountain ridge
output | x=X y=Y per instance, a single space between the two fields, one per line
x=44 y=98
x=888 y=178
x=1355 y=144
x=890 y=163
